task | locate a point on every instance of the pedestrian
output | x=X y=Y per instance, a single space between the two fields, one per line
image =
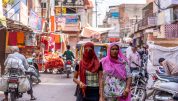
x=169 y=67
x=88 y=70
x=134 y=60
x=117 y=76
x=129 y=50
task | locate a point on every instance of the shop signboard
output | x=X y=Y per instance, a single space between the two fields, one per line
x=72 y=19
x=115 y=15
x=23 y=13
x=73 y=3
x=34 y=21
x=58 y=10
x=60 y=23
x=65 y=10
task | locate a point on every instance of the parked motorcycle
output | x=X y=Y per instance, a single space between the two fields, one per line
x=165 y=88
x=139 y=81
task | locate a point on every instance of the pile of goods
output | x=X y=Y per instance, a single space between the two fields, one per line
x=53 y=61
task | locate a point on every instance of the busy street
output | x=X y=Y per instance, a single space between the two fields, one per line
x=52 y=88
x=88 y=50
x=60 y=88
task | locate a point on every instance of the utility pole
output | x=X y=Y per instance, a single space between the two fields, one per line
x=96 y=8
x=47 y=16
x=136 y=20
x=159 y=6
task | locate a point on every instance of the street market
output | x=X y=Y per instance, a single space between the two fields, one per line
x=88 y=50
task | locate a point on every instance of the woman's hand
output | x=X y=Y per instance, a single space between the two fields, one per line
x=126 y=93
x=101 y=98
x=82 y=85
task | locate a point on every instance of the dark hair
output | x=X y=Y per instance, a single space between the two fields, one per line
x=68 y=46
x=161 y=60
x=130 y=44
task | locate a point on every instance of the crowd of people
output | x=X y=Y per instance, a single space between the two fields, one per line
x=108 y=79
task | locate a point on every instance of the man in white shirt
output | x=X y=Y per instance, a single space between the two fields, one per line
x=129 y=50
x=134 y=58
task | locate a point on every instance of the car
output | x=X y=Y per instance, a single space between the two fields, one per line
x=99 y=48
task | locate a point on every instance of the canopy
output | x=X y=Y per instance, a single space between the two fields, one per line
x=90 y=31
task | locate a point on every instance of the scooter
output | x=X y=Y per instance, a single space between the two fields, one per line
x=68 y=67
x=165 y=87
x=34 y=70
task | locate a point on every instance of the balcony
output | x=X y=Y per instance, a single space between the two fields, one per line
x=168 y=3
x=147 y=22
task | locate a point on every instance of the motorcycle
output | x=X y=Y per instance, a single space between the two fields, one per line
x=35 y=74
x=139 y=81
x=13 y=83
x=68 y=67
x=32 y=68
x=165 y=88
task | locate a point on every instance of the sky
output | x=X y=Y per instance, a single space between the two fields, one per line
x=103 y=7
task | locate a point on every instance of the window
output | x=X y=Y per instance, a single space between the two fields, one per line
x=43 y=5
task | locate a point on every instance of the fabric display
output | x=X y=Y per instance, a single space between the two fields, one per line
x=20 y=39
x=57 y=46
x=30 y=39
x=12 y=39
x=57 y=38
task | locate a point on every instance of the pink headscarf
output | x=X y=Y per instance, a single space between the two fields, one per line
x=114 y=67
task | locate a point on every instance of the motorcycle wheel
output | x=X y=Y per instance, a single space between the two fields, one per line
x=161 y=94
x=139 y=95
x=68 y=74
x=12 y=96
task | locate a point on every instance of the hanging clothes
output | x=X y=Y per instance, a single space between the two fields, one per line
x=7 y=37
x=12 y=40
x=57 y=46
x=57 y=38
x=20 y=38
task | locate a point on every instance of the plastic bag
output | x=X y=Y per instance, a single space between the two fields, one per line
x=33 y=70
x=3 y=84
x=24 y=85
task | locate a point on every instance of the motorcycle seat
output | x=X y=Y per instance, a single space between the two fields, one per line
x=170 y=78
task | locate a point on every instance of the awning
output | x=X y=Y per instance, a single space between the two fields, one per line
x=17 y=26
x=90 y=31
x=71 y=28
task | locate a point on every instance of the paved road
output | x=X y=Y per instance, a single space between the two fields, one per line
x=53 y=88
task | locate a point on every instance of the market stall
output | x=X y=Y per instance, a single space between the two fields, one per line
x=52 y=46
x=47 y=48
